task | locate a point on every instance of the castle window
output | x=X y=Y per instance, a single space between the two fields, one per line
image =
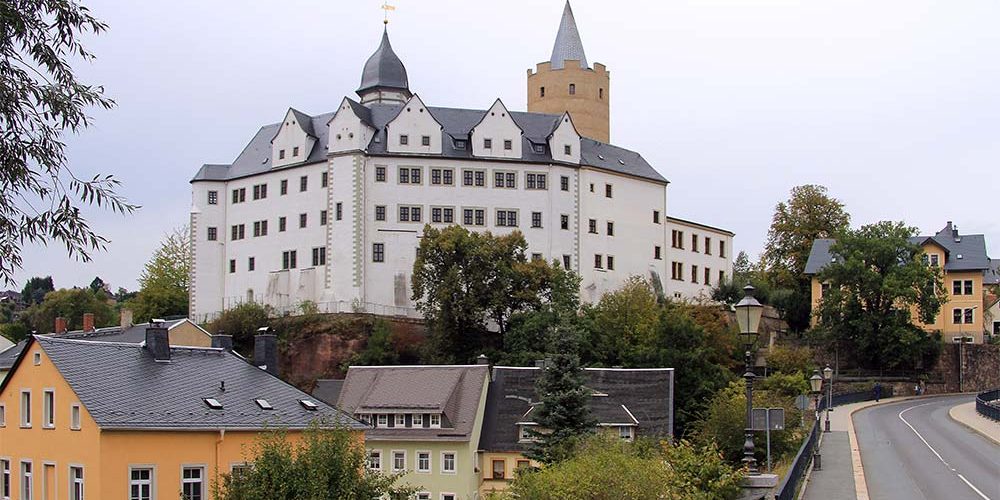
x=213 y=197
x=564 y=183
x=425 y=140
x=251 y=265
x=288 y=259
x=564 y=222
x=657 y=253
x=568 y=150
x=213 y=234
x=232 y=266
x=541 y=92
x=284 y=187
x=508 y=144
x=487 y=143
x=295 y=151
x=404 y=139
x=281 y=154
x=572 y=89
x=378 y=255
x=598 y=261
x=380 y=212
x=566 y=261
x=600 y=93
x=379 y=174
x=324 y=179
x=611 y=263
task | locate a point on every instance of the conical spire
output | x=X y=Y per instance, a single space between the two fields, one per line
x=568 y=45
x=384 y=70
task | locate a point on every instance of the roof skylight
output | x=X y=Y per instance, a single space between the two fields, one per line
x=263 y=404
x=213 y=403
x=309 y=405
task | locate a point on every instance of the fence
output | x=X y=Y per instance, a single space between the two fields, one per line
x=988 y=404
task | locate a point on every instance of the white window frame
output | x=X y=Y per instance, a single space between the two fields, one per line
x=435 y=421
x=423 y=495
x=369 y=459
x=627 y=436
x=417 y=420
x=454 y=455
x=73 y=481
x=382 y=420
x=30 y=482
x=25 y=412
x=49 y=408
x=430 y=460
x=201 y=480
x=5 y=477
x=37 y=357
x=3 y=415
x=392 y=457
x=152 y=479
x=399 y=420
x=444 y=494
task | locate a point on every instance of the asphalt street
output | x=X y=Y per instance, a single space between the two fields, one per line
x=912 y=450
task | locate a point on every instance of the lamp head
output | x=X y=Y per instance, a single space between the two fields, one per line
x=748 y=314
x=816 y=382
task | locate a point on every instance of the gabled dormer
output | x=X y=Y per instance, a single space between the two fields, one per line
x=350 y=127
x=497 y=135
x=294 y=140
x=564 y=142
x=414 y=130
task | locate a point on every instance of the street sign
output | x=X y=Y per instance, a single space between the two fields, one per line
x=802 y=402
x=768 y=419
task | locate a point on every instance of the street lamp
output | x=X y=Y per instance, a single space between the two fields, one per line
x=816 y=384
x=828 y=376
x=748 y=313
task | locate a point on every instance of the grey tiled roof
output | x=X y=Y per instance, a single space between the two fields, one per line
x=992 y=276
x=568 y=46
x=647 y=394
x=457 y=124
x=328 y=390
x=453 y=390
x=304 y=121
x=384 y=69
x=123 y=387
x=963 y=252
x=9 y=356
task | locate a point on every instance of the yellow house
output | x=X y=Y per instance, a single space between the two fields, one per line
x=964 y=264
x=112 y=420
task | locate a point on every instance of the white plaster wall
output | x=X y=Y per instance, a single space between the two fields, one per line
x=347 y=132
x=288 y=137
x=685 y=288
x=635 y=234
x=414 y=121
x=565 y=134
x=207 y=284
x=498 y=126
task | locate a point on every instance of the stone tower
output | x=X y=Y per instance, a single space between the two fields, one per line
x=566 y=82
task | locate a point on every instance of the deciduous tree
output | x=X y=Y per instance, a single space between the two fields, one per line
x=71 y=304
x=165 y=279
x=35 y=289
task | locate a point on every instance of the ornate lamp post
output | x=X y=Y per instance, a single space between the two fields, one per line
x=816 y=385
x=828 y=377
x=748 y=313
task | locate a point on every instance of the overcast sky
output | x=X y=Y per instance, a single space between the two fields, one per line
x=893 y=105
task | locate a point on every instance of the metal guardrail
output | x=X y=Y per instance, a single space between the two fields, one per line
x=988 y=404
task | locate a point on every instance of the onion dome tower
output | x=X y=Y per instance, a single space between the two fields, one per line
x=384 y=76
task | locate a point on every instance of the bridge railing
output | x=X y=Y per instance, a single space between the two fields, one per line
x=988 y=404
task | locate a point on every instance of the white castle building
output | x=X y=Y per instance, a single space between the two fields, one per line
x=329 y=208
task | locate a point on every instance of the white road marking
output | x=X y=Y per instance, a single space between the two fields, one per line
x=936 y=454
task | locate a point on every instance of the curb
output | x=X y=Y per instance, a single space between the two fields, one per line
x=951 y=415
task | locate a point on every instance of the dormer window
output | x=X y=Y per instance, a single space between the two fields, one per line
x=400 y=420
x=404 y=139
x=487 y=143
x=540 y=149
x=625 y=433
x=435 y=420
x=459 y=144
x=281 y=154
x=383 y=421
x=418 y=419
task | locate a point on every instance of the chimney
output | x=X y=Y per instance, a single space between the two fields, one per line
x=482 y=360
x=126 y=319
x=157 y=341
x=223 y=341
x=88 y=322
x=60 y=326
x=265 y=351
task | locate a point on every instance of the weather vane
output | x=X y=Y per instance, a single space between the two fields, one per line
x=386 y=7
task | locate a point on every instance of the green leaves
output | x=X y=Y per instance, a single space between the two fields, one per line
x=165 y=279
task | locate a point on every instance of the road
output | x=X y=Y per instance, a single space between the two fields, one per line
x=912 y=450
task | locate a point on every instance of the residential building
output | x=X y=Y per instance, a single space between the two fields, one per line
x=627 y=403
x=700 y=258
x=425 y=421
x=93 y=419
x=964 y=266
x=329 y=208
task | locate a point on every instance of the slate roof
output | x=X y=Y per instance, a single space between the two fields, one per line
x=963 y=252
x=646 y=393
x=9 y=356
x=384 y=69
x=328 y=390
x=992 y=276
x=453 y=390
x=568 y=45
x=123 y=387
x=457 y=124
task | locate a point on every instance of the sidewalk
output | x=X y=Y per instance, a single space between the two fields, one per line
x=966 y=415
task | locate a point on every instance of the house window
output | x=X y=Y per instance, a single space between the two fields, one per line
x=499 y=469
x=251 y=264
x=213 y=234
x=676 y=271
x=611 y=263
x=525 y=433
x=282 y=224
x=694 y=273
x=404 y=175
x=319 y=256
x=677 y=239
x=564 y=222
x=76 y=483
x=956 y=287
x=611 y=228
x=193 y=483
x=400 y=420
x=656 y=216
x=3 y=415
x=48 y=409
x=722 y=276
x=423 y=495
x=448 y=462
x=600 y=93
x=232 y=266
x=283 y=189
x=26 y=408
x=27 y=480
x=572 y=89
x=480 y=178
x=956 y=316
x=708 y=275
x=968 y=287
x=435 y=420
x=281 y=154
x=382 y=421
x=404 y=140
x=375 y=459
x=508 y=144
x=657 y=253
x=535 y=181
x=448 y=177
x=380 y=212
x=934 y=260
x=324 y=179
x=608 y=191
x=625 y=432
x=259 y=191
x=448 y=215
x=303 y=220
x=378 y=255
x=140 y=484
x=564 y=183
x=536 y=219
x=436 y=176
x=213 y=197
x=260 y=228
x=567 y=261
x=708 y=246
x=239 y=195
x=568 y=150
x=487 y=143
x=598 y=261
x=523 y=464
x=722 y=249
x=498 y=179
x=289 y=259
x=295 y=151
x=398 y=461
x=425 y=140
x=506 y=218
x=417 y=419
x=379 y=174
x=541 y=92
x=694 y=243
x=536 y=256
x=423 y=461
x=592 y=226
x=409 y=213
x=303 y=183
x=968 y=316
x=474 y=217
